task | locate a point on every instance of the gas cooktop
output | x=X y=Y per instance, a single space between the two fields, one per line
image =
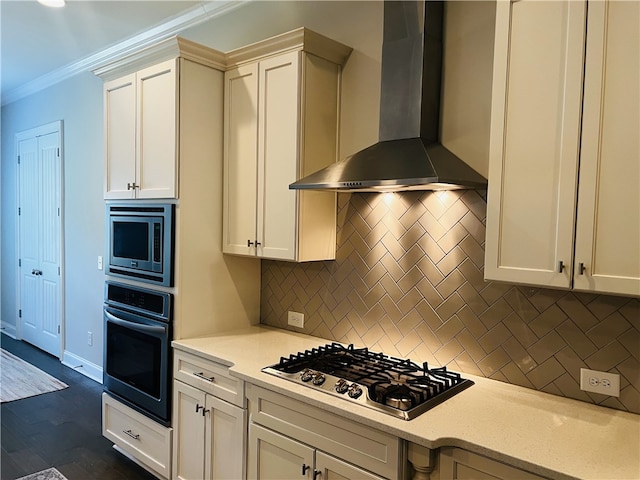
x=392 y=385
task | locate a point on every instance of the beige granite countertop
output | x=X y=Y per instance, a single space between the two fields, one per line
x=545 y=434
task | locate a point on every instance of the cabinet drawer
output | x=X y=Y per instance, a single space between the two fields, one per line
x=142 y=438
x=360 y=445
x=208 y=376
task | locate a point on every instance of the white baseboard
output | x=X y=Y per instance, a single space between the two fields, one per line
x=8 y=329
x=80 y=365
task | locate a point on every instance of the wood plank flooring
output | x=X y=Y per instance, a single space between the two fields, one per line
x=59 y=429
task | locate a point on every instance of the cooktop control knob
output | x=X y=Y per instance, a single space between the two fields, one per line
x=306 y=375
x=354 y=390
x=318 y=378
x=341 y=386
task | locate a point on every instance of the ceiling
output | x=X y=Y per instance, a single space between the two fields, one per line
x=37 y=40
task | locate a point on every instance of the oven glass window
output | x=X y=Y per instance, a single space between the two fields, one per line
x=131 y=240
x=134 y=358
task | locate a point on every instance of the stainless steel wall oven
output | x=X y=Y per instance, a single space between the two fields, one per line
x=137 y=348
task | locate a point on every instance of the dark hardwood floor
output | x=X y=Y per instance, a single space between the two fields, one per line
x=59 y=429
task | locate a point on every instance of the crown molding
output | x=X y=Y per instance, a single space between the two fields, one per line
x=194 y=16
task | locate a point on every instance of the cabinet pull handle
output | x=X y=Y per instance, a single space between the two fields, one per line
x=249 y=243
x=581 y=268
x=316 y=473
x=132 y=186
x=560 y=266
x=135 y=436
x=258 y=243
x=305 y=467
x=204 y=377
x=198 y=407
x=204 y=412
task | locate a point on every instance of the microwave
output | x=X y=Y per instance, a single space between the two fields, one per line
x=140 y=242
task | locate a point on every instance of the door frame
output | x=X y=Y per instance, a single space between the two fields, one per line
x=53 y=127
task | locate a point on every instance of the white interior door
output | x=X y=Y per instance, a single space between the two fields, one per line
x=40 y=241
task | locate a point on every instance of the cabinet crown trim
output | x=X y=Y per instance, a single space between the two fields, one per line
x=167 y=49
x=299 y=39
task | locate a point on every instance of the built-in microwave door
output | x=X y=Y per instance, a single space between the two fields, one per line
x=132 y=242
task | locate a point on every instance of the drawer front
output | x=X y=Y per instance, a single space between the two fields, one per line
x=350 y=441
x=208 y=376
x=142 y=438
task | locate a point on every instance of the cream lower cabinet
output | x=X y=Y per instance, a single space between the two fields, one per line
x=281 y=123
x=276 y=456
x=209 y=431
x=138 y=437
x=565 y=161
x=458 y=464
x=291 y=440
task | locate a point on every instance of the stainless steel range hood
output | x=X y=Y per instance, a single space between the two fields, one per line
x=408 y=155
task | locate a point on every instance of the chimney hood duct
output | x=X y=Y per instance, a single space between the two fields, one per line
x=408 y=155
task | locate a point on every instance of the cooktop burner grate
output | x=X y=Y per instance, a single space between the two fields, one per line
x=394 y=385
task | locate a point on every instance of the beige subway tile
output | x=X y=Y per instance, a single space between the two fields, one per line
x=545 y=373
x=519 y=355
x=450 y=284
x=474 y=227
x=547 y=321
x=411 y=279
x=429 y=293
x=471 y=345
x=448 y=352
x=546 y=347
x=449 y=329
x=430 y=271
x=495 y=337
x=579 y=342
x=521 y=304
x=472 y=298
x=608 y=329
x=493 y=362
x=409 y=301
x=448 y=263
x=496 y=312
x=577 y=312
x=449 y=307
x=452 y=238
x=471 y=322
x=608 y=357
x=514 y=375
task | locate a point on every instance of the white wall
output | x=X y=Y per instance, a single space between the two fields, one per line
x=78 y=102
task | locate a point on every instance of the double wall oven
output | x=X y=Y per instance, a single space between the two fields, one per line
x=138 y=319
x=137 y=348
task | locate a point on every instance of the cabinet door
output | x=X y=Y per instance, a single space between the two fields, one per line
x=225 y=440
x=331 y=468
x=536 y=105
x=240 y=160
x=189 y=432
x=278 y=154
x=275 y=457
x=157 y=131
x=120 y=137
x=608 y=222
x=458 y=464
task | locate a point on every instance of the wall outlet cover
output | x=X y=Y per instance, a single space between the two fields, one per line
x=295 y=319
x=600 y=382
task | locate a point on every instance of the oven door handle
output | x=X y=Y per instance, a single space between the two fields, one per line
x=134 y=326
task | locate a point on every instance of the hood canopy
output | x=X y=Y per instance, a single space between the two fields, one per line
x=408 y=155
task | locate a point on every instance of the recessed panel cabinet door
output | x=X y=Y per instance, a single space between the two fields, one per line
x=332 y=468
x=120 y=137
x=535 y=137
x=607 y=255
x=278 y=154
x=156 y=169
x=275 y=457
x=189 y=440
x=240 y=184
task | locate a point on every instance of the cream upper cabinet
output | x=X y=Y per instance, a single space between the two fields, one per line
x=281 y=123
x=607 y=257
x=141 y=131
x=548 y=154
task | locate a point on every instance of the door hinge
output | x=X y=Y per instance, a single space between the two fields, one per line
x=20 y=313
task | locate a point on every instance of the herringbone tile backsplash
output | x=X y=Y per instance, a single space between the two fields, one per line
x=408 y=281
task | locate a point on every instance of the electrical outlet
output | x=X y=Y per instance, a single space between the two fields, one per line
x=90 y=339
x=600 y=382
x=99 y=262
x=295 y=319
